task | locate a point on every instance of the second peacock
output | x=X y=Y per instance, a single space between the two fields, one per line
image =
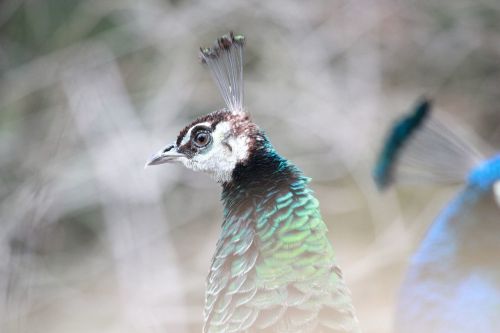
x=273 y=269
x=453 y=279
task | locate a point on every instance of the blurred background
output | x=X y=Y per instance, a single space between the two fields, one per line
x=92 y=242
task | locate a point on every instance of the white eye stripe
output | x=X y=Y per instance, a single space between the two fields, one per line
x=187 y=137
x=218 y=160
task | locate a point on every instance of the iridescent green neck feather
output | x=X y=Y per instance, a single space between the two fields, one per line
x=274 y=268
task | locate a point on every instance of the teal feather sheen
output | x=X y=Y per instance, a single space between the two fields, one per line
x=274 y=270
x=400 y=133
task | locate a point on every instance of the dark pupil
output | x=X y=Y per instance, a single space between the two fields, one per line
x=201 y=138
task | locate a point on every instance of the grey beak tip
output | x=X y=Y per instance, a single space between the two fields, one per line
x=153 y=160
x=163 y=156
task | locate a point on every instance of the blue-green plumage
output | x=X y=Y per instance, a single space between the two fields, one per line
x=485 y=174
x=401 y=132
x=453 y=279
x=273 y=270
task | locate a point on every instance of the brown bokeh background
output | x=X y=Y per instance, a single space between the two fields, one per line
x=92 y=242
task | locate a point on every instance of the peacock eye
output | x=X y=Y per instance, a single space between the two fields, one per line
x=202 y=138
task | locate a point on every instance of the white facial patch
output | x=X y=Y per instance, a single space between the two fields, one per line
x=496 y=191
x=225 y=151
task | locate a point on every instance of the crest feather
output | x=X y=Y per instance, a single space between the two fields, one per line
x=420 y=148
x=225 y=62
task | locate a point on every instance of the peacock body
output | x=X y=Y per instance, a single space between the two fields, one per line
x=453 y=280
x=274 y=268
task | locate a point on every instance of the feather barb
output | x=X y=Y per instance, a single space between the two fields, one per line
x=225 y=62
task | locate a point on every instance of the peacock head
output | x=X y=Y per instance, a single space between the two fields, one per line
x=217 y=142
x=214 y=143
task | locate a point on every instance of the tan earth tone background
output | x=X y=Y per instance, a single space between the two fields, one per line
x=92 y=242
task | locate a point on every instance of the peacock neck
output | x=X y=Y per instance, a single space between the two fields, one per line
x=264 y=174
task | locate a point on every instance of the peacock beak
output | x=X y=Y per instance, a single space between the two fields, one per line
x=168 y=154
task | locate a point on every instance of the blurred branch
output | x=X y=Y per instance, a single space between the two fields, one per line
x=147 y=271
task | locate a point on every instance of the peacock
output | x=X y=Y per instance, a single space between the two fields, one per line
x=453 y=280
x=274 y=269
